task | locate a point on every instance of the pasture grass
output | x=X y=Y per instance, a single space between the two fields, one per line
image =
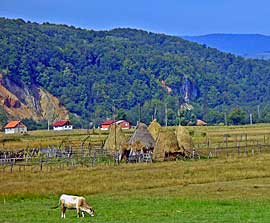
x=200 y=135
x=218 y=190
x=140 y=210
x=230 y=189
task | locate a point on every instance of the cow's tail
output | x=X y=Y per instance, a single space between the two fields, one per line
x=56 y=206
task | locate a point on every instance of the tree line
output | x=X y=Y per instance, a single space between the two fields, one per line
x=96 y=74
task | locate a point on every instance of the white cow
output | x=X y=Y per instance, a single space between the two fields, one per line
x=74 y=202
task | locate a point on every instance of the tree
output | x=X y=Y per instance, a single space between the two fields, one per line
x=237 y=117
x=121 y=114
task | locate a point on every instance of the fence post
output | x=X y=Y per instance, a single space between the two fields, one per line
x=11 y=167
x=40 y=164
x=216 y=152
x=94 y=158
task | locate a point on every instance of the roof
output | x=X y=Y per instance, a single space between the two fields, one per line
x=200 y=122
x=108 y=122
x=121 y=121
x=61 y=123
x=12 y=124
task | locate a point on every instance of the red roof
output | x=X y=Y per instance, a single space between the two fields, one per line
x=12 y=124
x=108 y=122
x=61 y=123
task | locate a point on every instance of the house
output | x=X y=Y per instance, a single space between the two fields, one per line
x=105 y=125
x=62 y=125
x=15 y=127
x=200 y=122
x=123 y=124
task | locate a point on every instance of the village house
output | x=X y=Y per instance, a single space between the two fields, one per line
x=62 y=125
x=15 y=127
x=123 y=124
x=105 y=125
x=200 y=122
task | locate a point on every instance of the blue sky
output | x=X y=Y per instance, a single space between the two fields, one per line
x=176 y=17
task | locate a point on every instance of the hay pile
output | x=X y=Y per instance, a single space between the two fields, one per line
x=141 y=139
x=116 y=139
x=184 y=139
x=166 y=146
x=154 y=129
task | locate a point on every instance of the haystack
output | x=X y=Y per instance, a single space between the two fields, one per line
x=184 y=139
x=116 y=139
x=154 y=129
x=166 y=146
x=141 y=139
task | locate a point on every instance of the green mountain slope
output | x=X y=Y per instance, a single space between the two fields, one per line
x=98 y=73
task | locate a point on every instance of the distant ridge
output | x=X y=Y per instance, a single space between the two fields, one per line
x=255 y=46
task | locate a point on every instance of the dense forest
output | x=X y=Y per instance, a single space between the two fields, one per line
x=134 y=74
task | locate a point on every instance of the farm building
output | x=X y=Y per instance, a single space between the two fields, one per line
x=200 y=122
x=105 y=125
x=62 y=125
x=123 y=124
x=15 y=127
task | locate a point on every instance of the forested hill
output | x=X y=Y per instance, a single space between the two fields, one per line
x=97 y=73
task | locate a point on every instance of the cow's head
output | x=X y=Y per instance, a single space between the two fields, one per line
x=90 y=211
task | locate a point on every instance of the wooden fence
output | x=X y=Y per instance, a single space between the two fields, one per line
x=82 y=154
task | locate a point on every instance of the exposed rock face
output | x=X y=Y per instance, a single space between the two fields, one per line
x=21 y=102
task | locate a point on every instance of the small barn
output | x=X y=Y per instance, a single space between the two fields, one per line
x=15 y=127
x=123 y=124
x=62 y=125
x=105 y=125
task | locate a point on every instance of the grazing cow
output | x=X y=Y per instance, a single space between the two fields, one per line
x=74 y=202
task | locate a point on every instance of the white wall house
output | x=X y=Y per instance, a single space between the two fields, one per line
x=15 y=127
x=62 y=125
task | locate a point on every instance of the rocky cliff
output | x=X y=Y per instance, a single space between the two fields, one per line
x=20 y=102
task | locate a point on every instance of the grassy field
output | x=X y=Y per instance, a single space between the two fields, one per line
x=228 y=189
x=203 y=137
x=218 y=190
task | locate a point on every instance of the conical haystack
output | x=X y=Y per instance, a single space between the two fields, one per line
x=116 y=139
x=154 y=129
x=141 y=139
x=184 y=139
x=166 y=146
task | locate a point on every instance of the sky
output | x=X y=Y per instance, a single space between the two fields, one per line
x=173 y=17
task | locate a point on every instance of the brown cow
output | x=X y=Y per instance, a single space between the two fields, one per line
x=74 y=202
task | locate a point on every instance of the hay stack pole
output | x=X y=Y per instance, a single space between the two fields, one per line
x=116 y=139
x=154 y=129
x=184 y=139
x=141 y=139
x=166 y=143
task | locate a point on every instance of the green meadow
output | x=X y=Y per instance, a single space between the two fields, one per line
x=217 y=190
x=233 y=188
